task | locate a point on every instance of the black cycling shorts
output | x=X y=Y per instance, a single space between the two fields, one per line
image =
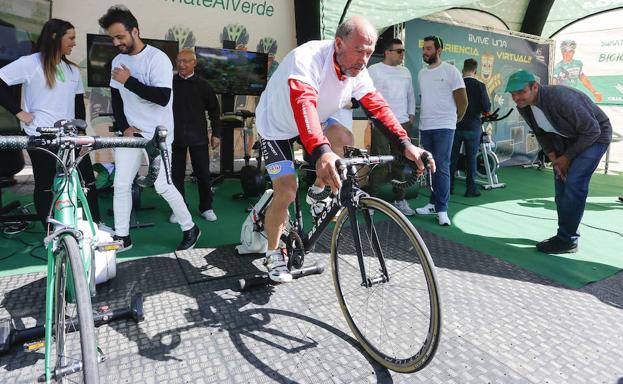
x=278 y=156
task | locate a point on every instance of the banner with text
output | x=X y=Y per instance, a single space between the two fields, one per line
x=498 y=55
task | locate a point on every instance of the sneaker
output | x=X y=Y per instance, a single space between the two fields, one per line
x=277 y=265
x=126 y=240
x=556 y=245
x=404 y=207
x=316 y=206
x=428 y=209
x=443 y=219
x=621 y=199
x=209 y=215
x=173 y=219
x=474 y=193
x=189 y=238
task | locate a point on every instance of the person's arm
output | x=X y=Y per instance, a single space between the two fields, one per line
x=587 y=128
x=80 y=111
x=157 y=95
x=121 y=122
x=411 y=101
x=304 y=100
x=460 y=98
x=486 y=103
x=214 y=110
x=587 y=83
x=389 y=125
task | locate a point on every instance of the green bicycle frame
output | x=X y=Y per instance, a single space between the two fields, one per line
x=68 y=193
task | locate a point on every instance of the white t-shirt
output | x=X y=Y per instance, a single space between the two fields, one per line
x=311 y=63
x=150 y=67
x=438 y=108
x=396 y=86
x=47 y=105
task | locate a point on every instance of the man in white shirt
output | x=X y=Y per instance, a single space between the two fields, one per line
x=141 y=83
x=312 y=83
x=444 y=101
x=394 y=82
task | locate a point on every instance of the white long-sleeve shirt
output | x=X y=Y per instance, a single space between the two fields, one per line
x=396 y=86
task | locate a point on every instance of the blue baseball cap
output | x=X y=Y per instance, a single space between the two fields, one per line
x=518 y=80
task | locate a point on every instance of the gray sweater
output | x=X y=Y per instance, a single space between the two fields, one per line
x=573 y=115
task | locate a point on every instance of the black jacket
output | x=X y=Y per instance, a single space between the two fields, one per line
x=192 y=97
x=478 y=102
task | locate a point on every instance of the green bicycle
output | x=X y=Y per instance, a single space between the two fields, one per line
x=71 y=352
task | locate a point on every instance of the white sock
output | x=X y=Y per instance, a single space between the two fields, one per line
x=316 y=189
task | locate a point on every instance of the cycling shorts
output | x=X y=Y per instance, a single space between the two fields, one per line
x=278 y=157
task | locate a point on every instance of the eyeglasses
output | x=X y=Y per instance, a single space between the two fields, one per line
x=399 y=51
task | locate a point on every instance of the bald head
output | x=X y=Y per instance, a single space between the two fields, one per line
x=354 y=44
x=357 y=24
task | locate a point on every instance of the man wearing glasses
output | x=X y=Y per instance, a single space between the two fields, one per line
x=393 y=81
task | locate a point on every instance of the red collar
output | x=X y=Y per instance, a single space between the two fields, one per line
x=338 y=71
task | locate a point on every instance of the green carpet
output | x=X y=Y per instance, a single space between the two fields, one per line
x=505 y=223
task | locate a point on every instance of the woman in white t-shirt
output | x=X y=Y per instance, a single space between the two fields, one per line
x=51 y=90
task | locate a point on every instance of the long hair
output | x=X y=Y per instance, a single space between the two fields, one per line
x=49 y=45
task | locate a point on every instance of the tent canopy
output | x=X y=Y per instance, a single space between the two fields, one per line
x=538 y=17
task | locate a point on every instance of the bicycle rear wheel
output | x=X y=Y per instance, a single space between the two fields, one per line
x=74 y=332
x=396 y=319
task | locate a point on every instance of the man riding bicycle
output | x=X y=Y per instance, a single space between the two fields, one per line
x=313 y=82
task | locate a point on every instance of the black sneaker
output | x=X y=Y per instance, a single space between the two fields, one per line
x=127 y=242
x=556 y=245
x=189 y=239
x=621 y=199
x=474 y=193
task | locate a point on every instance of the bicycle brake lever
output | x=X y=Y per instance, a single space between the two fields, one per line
x=161 y=135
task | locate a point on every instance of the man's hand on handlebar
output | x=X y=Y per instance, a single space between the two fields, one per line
x=327 y=172
x=414 y=154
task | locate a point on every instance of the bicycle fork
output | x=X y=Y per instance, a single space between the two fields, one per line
x=367 y=281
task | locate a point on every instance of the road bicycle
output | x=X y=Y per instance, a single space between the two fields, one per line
x=381 y=268
x=71 y=351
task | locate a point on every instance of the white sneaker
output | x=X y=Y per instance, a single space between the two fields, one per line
x=209 y=215
x=428 y=209
x=276 y=264
x=404 y=207
x=173 y=219
x=443 y=218
x=316 y=206
x=103 y=227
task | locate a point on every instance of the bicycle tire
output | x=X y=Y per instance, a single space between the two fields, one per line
x=83 y=350
x=419 y=339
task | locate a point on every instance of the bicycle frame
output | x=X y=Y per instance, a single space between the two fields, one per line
x=63 y=221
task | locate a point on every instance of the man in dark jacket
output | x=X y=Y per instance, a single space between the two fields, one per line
x=574 y=133
x=468 y=129
x=192 y=97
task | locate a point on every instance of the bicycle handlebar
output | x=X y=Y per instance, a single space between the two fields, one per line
x=494 y=116
x=64 y=137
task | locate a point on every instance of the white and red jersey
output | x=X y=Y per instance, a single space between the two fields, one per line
x=308 y=88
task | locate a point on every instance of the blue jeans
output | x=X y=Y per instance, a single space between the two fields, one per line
x=439 y=143
x=571 y=195
x=471 y=139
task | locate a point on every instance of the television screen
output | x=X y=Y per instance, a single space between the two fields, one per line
x=233 y=72
x=100 y=53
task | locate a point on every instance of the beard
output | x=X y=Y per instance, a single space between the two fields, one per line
x=127 y=48
x=430 y=61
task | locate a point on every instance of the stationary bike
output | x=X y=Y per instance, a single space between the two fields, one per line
x=487 y=163
x=251 y=177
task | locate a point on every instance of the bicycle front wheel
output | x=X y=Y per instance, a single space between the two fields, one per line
x=74 y=332
x=386 y=286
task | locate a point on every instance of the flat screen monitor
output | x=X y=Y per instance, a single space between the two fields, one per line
x=232 y=72
x=100 y=53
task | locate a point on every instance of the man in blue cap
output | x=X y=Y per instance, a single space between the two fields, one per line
x=574 y=133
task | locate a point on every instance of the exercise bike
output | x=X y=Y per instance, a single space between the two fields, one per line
x=487 y=162
x=251 y=177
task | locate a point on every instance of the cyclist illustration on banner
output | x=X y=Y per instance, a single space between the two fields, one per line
x=569 y=70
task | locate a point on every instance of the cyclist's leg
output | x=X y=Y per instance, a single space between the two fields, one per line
x=278 y=158
x=127 y=163
x=175 y=200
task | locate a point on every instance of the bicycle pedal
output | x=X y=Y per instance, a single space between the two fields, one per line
x=34 y=345
x=109 y=246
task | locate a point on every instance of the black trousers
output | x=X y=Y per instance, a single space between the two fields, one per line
x=44 y=169
x=200 y=160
